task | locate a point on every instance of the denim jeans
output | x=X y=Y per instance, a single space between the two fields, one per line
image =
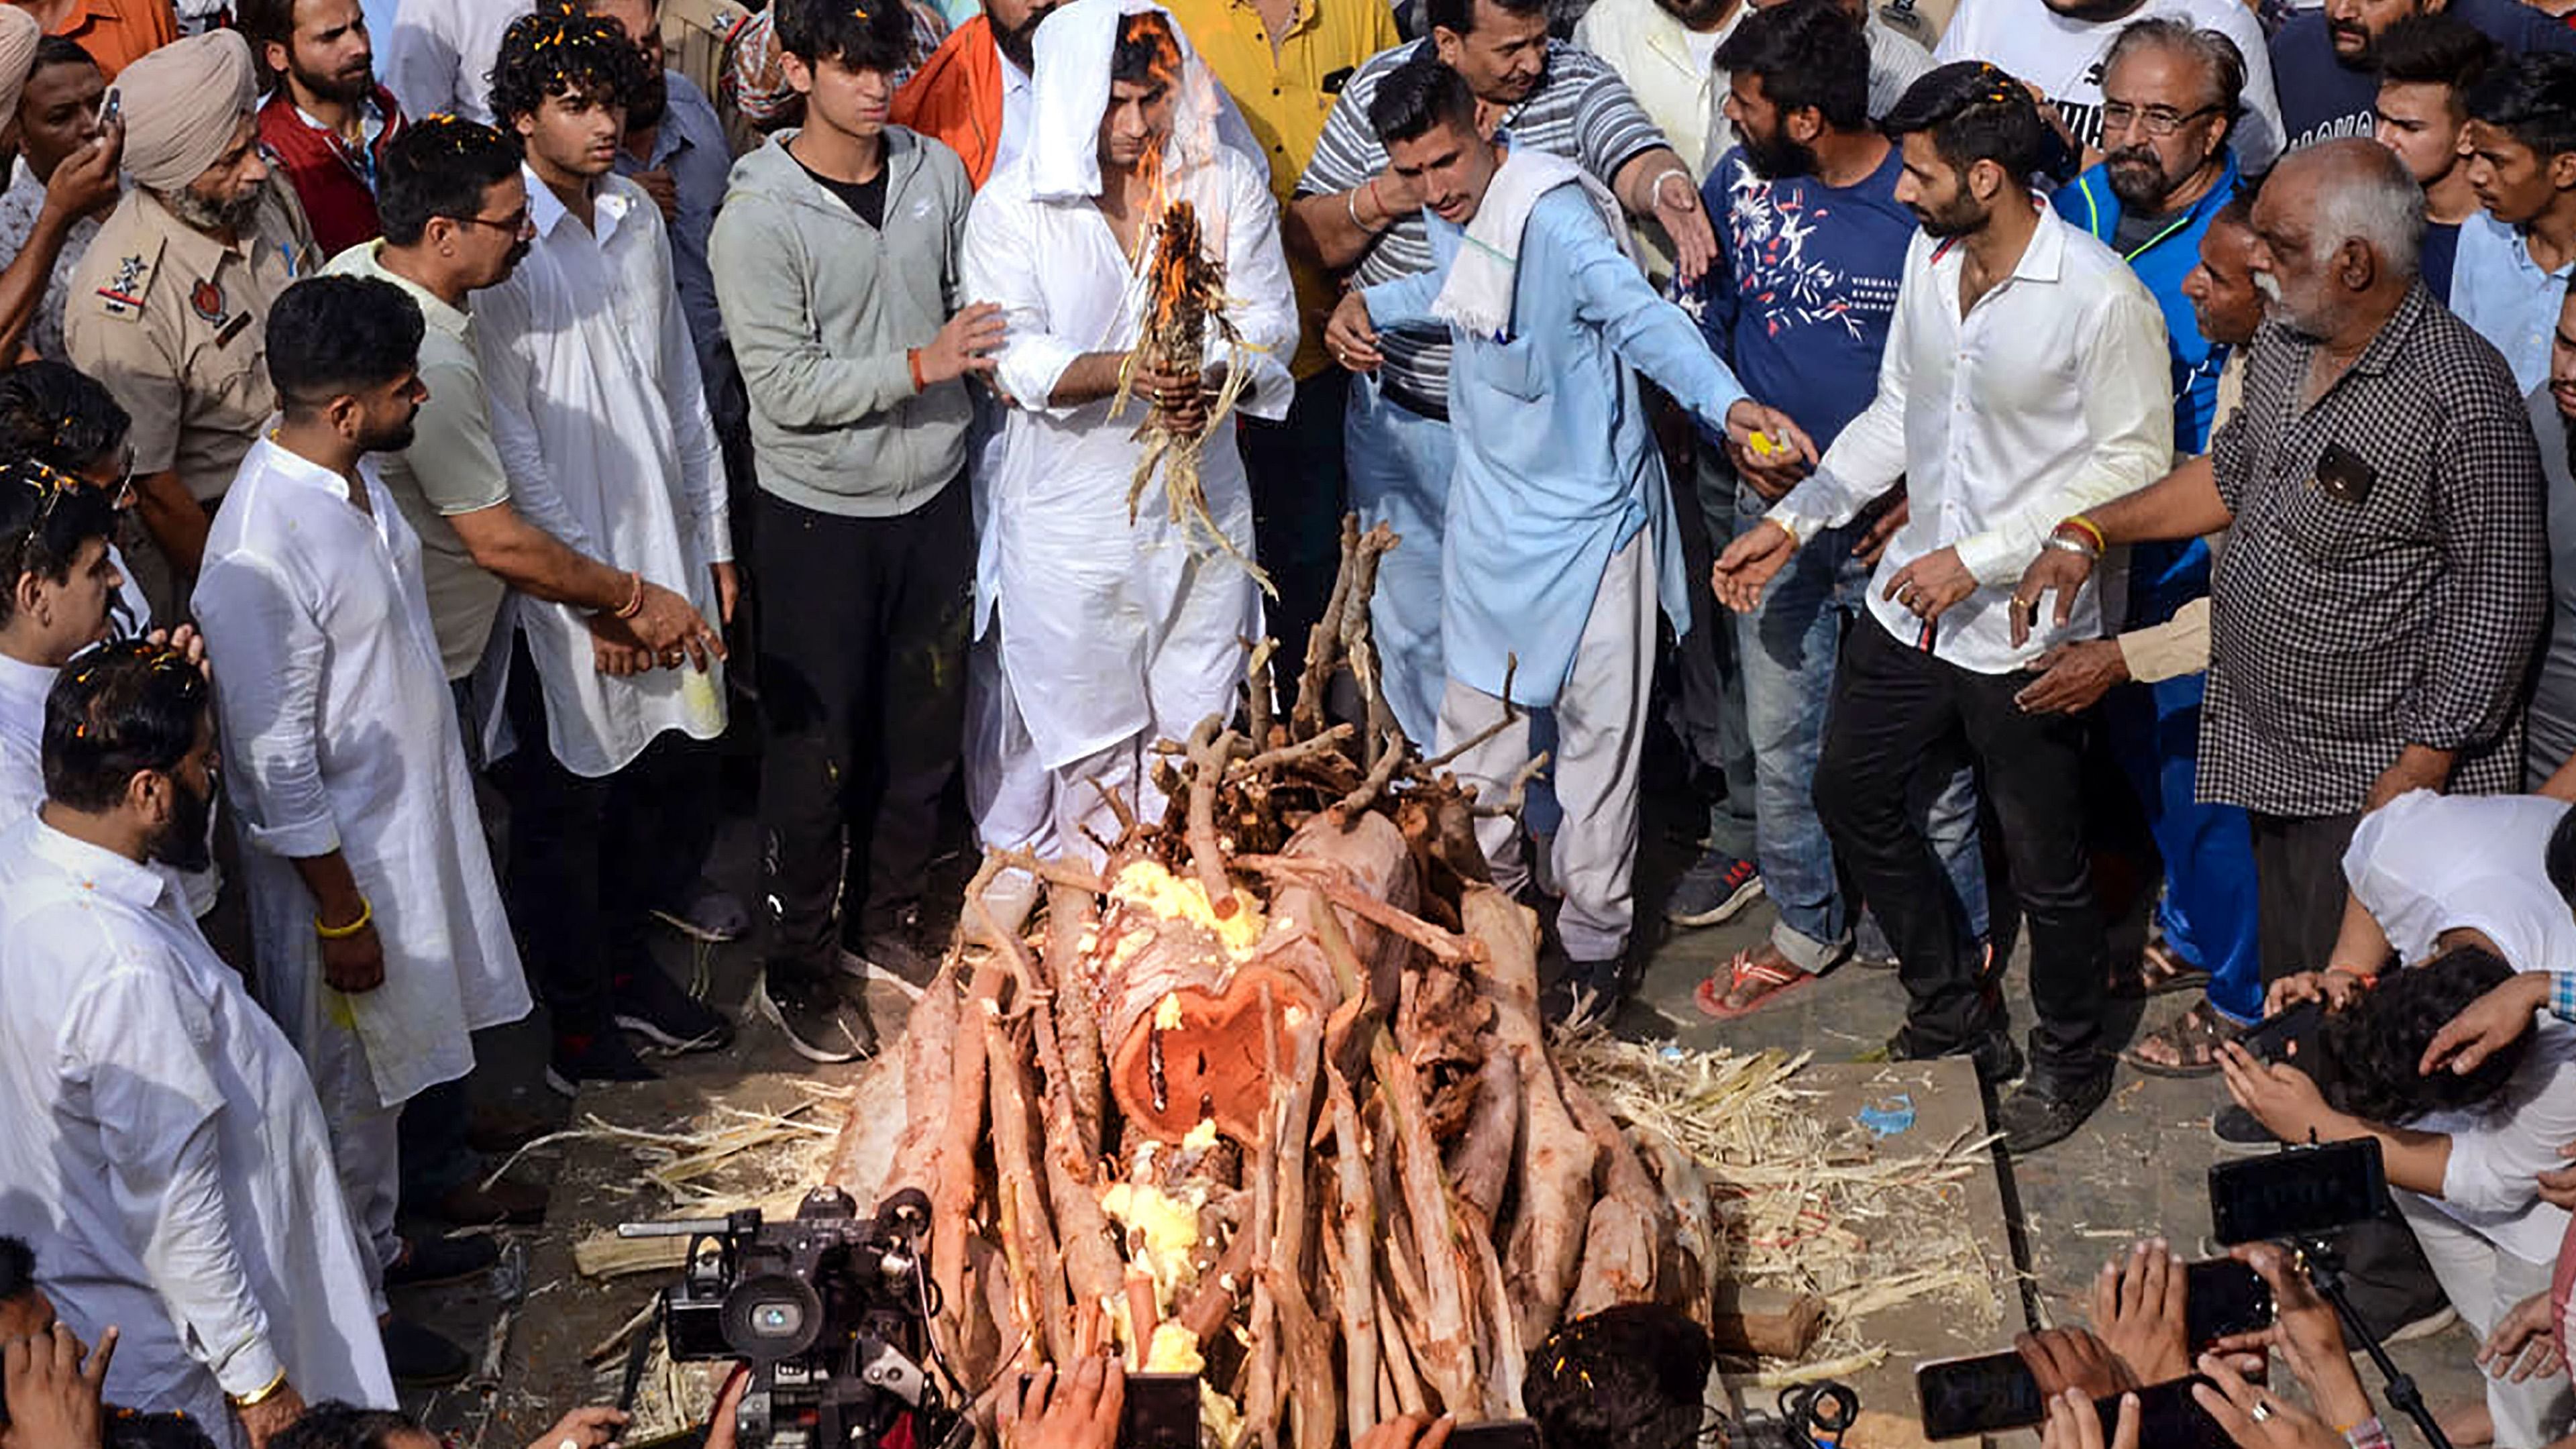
x=1786 y=650
x=1707 y=710
x=1399 y=463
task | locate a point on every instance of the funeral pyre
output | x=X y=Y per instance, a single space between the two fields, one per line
x=1269 y=1097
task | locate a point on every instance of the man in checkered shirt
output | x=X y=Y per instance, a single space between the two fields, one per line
x=2385 y=573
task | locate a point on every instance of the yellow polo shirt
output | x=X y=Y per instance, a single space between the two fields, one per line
x=1285 y=91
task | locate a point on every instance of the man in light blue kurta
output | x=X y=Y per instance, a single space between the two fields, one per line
x=1559 y=540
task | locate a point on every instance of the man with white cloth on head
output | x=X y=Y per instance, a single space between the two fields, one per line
x=382 y=943
x=1111 y=634
x=1559 y=540
x=158 y=1135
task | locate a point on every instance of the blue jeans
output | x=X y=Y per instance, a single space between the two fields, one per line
x=1399 y=463
x=1786 y=650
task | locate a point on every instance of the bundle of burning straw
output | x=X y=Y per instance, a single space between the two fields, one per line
x=1185 y=292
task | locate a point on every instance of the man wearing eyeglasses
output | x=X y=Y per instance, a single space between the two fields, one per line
x=2170 y=97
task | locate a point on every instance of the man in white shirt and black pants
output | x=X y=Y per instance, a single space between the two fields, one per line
x=2026 y=370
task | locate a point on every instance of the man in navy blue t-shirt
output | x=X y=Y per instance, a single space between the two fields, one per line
x=1811 y=251
x=2325 y=61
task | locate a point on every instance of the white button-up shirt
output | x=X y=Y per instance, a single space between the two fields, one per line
x=2052 y=395
x=439 y=55
x=340 y=734
x=603 y=428
x=161 y=1146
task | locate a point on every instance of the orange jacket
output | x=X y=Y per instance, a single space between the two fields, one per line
x=956 y=97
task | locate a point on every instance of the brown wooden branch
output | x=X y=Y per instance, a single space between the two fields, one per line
x=1516 y=799
x=1333 y=882
x=1213 y=747
x=1511 y=713
x=1389 y=756
x=1323 y=641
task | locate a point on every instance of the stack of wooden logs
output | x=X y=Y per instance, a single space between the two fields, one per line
x=1268 y=1096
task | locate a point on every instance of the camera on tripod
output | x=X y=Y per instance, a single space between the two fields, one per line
x=831 y=1311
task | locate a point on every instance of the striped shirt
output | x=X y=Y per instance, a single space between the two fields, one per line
x=1580 y=110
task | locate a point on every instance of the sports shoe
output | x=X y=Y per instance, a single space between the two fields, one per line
x=712 y=915
x=892 y=954
x=652 y=1005
x=2237 y=1130
x=428 y=1261
x=818 y=1024
x=602 y=1058
x=1715 y=890
x=422 y=1358
x=2043 y=1111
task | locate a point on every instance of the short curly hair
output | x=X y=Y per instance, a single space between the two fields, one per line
x=559 y=51
x=2370 y=1051
x=1630 y=1377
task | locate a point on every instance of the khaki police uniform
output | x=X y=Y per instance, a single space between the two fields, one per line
x=175 y=324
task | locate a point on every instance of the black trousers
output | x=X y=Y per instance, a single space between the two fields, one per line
x=2299 y=889
x=591 y=858
x=863 y=689
x=1894 y=709
x=1294 y=467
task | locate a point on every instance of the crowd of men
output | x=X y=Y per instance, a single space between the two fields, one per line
x=2051 y=462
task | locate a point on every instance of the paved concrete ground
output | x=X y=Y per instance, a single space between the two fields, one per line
x=2135 y=1170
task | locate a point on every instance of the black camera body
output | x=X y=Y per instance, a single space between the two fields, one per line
x=830 y=1310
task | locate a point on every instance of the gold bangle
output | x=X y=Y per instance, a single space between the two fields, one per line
x=366 y=918
x=260 y=1395
x=1785 y=528
x=2100 y=542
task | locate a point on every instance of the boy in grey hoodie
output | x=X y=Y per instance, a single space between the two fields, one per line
x=835 y=260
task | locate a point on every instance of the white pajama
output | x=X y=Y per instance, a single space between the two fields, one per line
x=1600 y=731
x=2484 y=1282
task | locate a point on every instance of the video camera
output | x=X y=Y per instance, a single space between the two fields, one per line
x=832 y=1312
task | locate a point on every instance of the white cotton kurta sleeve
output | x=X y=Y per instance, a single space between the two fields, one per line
x=269 y=653
x=502 y=339
x=693 y=429
x=1001 y=240
x=1265 y=302
x=133 y=1042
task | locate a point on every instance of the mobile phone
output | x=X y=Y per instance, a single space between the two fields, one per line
x=1500 y=1434
x=2286 y=1034
x=2222 y=1297
x=110 y=106
x=1977 y=1395
x=1161 y=1411
x=2296 y=1192
x=2168 y=1417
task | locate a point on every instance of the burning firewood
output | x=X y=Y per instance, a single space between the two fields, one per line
x=1185 y=290
x=1267 y=1098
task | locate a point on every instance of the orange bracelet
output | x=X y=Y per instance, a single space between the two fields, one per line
x=2090 y=527
x=912 y=359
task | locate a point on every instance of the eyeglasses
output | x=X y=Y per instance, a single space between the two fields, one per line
x=516 y=223
x=2156 y=121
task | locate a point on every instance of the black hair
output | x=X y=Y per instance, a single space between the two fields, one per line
x=2559 y=860
x=1974 y=112
x=2436 y=49
x=46 y=519
x=333 y=335
x=126 y=707
x=1807 y=53
x=262 y=22
x=861 y=34
x=1630 y=1377
x=1418 y=95
x=2531 y=98
x=333 y=1424
x=1458 y=17
x=559 y=51
x=440 y=166
x=169 y=1429
x=2370 y=1050
x=1147 y=50
x=61 y=50
x=60 y=416
x=17 y=1269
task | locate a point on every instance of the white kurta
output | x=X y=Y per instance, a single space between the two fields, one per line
x=602 y=425
x=340 y=733
x=162 y=1150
